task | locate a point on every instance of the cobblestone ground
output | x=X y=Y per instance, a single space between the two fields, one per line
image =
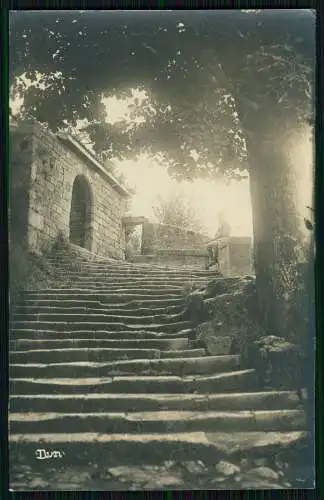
x=279 y=471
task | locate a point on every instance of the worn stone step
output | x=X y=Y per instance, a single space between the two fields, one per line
x=72 y=403
x=106 y=261
x=188 y=353
x=129 y=288
x=68 y=249
x=128 y=276
x=63 y=262
x=27 y=333
x=98 y=354
x=73 y=326
x=137 y=293
x=163 y=421
x=241 y=380
x=117 y=275
x=173 y=366
x=105 y=296
x=80 y=354
x=90 y=317
x=134 y=269
x=101 y=302
x=111 y=449
x=125 y=264
x=113 y=342
x=107 y=308
x=117 y=278
x=120 y=281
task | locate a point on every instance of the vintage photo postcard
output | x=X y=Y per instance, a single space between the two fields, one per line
x=161 y=250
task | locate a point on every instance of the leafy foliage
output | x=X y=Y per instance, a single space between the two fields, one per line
x=193 y=65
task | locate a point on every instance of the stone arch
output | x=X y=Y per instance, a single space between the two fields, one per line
x=81 y=213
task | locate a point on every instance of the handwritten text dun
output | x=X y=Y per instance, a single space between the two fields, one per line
x=42 y=454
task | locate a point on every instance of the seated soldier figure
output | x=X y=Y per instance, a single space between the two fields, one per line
x=212 y=255
x=218 y=242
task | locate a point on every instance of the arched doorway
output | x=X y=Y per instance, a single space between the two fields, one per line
x=81 y=213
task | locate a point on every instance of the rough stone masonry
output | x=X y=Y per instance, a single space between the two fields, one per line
x=59 y=189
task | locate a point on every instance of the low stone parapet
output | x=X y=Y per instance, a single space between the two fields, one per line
x=234 y=255
x=195 y=257
x=157 y=236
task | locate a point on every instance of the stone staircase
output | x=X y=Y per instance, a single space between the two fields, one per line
x=103 y=369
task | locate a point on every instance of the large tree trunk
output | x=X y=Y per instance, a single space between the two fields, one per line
x=277 y=221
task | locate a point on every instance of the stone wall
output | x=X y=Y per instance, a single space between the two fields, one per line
x=20 y=181
x=172 y=257
x=165 y=244
x=43 y=170
x=236 y=259
x=157 y=236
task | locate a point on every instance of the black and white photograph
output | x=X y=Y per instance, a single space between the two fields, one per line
x=161 y=249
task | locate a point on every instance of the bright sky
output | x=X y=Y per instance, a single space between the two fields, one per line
x=150 y=179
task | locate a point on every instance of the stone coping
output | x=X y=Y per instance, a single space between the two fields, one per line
x=195 y=252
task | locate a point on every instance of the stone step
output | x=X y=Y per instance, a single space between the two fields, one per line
x=73 y=326
x=137 y=293
x=113 y=342
x=173 y=366
x=135 y=269
x=149 y=268
x=98 y=335
x=242 y=380
x=101 y=302
x=72 y=403
x=159 y=422
x=98 y=354
x=119 y=288
x=137 y=273
x=104 y=309
x=66 y=262
x=76 y=254
x=104 y=273
x=187 y=353
x=94 y=318
x=105 y=296
x=118 y=278
x=126 y=282
x=68 y=249
x=85 y=278
x=111 y=449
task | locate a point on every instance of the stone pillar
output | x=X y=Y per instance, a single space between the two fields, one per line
x=224 y=257
x=147 y=238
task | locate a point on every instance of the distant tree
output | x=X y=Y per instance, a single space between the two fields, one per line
x=177 y=210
